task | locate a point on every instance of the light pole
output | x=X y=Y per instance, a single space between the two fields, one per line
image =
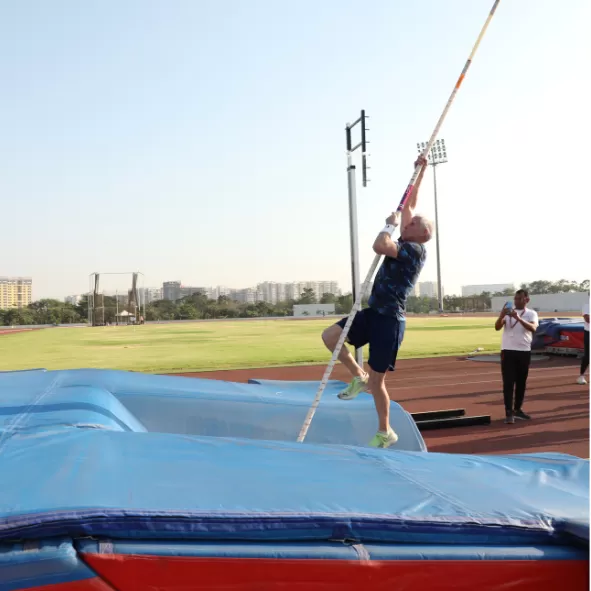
x=355 y=282
x=438 y=155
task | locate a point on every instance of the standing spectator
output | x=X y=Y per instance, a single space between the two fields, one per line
x=520 y=324
x=585 y=360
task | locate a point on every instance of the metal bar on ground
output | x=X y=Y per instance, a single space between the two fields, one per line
x=453 y=422
x=432 y=415
x=406 y=195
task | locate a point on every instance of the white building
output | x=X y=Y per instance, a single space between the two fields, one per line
x=268 y=292
x=428 y=289
x=293 y=291
x=551 y=302
x=476 y=290
x=244 y=296
x=150 y=294
x=322 y=287
x=314 y=310
x=213 y=293
x=73 y=299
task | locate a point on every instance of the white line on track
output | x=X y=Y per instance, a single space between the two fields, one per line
x=398 y=386
x=533 y=369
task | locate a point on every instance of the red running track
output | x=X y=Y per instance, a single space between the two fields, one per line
x=7 y=331
x=558 y=405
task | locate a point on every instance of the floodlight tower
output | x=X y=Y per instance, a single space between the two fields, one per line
x=351 y=182
x=437 y=155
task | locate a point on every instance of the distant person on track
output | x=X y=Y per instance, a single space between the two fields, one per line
x=520 y=324
x=382 y=324
x=585 y=360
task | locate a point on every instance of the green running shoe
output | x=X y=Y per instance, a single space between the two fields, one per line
x=382 y=439
x=355 y=388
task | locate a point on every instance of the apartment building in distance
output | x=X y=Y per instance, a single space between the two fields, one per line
x=244 y=296
x=175 y=290
x=428 y=289
x=15 y=292
x=73 y=299
x=268 y=291
x=293 y=291
x=148 y=295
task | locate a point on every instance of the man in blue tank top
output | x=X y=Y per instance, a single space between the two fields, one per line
x=382 y=324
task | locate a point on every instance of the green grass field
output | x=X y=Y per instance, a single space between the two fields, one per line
x=222 y=345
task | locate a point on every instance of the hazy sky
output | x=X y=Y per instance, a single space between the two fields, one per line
x=204 y=141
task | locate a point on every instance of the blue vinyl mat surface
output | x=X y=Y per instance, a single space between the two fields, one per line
x=78 y=458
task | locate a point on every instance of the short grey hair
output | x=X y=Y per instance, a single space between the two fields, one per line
x=427 y=226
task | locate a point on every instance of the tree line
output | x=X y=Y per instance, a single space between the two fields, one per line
x=199 y=307
x=46 y=311
x=194 y=307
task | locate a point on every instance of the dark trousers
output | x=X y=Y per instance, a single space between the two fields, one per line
x=585 y=360
x=515 y=368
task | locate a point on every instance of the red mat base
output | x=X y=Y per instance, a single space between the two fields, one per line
x=131 y=573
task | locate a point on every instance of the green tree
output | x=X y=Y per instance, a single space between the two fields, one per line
x=561 y=286
x=307 y=297
x=537 y=287
x=161 y=310
x=453 y=302
x=82 y=308
x=344 y=304
x=248 y=311
x=199 y=301
x=18 y=317
x=50 y=311
x=187 y=311
x=264 y=309
x=213 y=310
x=283 y=308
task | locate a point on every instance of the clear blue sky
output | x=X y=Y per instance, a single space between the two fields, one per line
x=204 y=141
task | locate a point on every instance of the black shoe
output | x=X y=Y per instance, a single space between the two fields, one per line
x=509 y=418
x=519 y=414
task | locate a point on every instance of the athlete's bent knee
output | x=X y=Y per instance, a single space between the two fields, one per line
x=330 y=335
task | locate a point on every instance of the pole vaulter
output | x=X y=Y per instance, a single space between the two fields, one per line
x=407 y=193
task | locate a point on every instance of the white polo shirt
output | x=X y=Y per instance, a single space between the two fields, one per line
x=515 y=336
x=586 y=311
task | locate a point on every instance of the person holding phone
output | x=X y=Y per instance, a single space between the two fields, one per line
x=519 y=324
x=585 y=360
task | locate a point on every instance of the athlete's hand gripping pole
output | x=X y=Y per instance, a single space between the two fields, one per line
x=374 y=265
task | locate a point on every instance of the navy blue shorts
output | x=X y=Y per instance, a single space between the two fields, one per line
x=383 y=333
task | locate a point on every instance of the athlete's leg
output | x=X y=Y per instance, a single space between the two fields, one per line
x=385 y=339
x=358 y=337
x=331 y=337
x=377 y=385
